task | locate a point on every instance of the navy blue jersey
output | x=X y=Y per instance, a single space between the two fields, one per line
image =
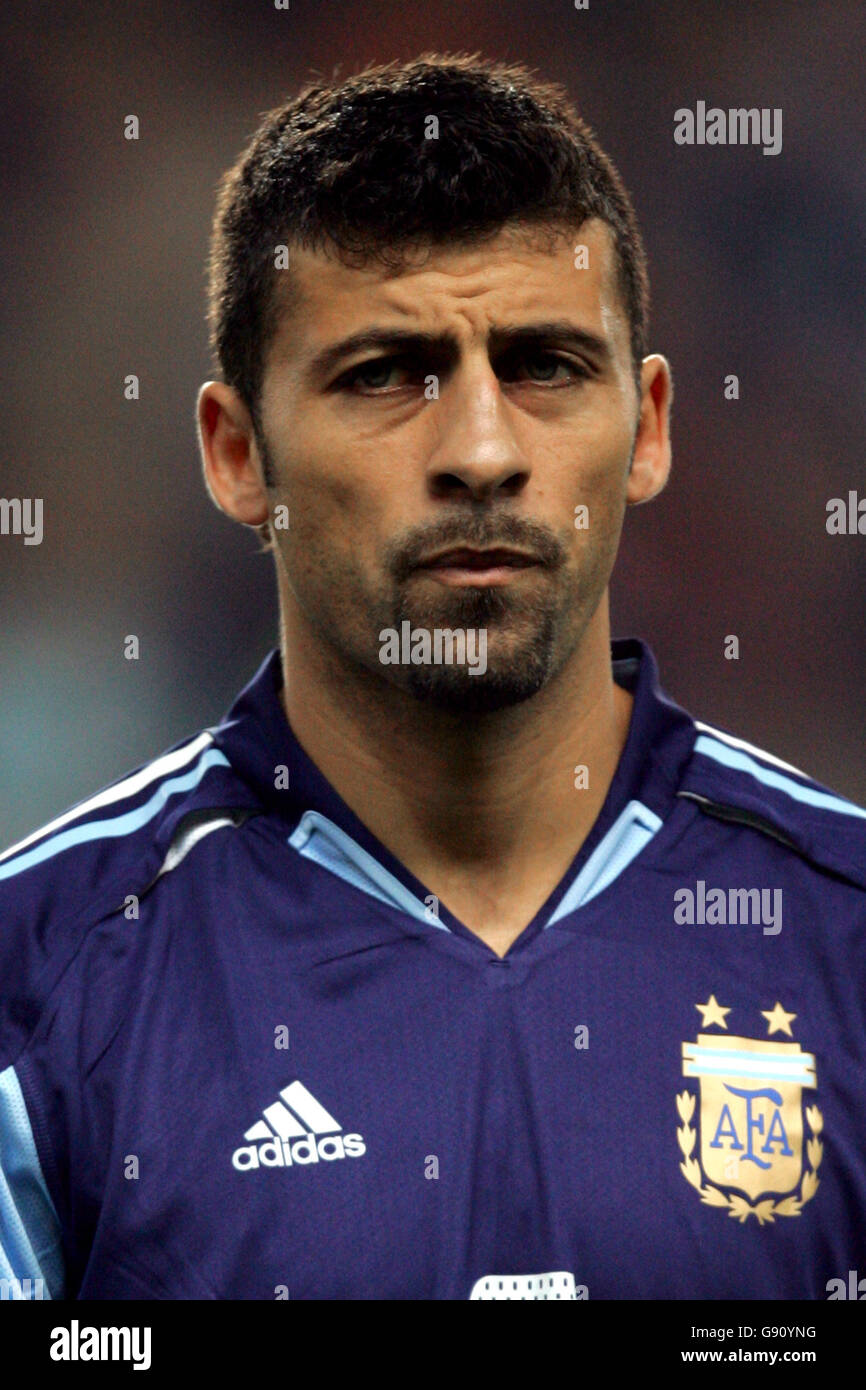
x=245 y=1054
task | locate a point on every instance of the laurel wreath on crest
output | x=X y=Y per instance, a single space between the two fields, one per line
x=740 y=1207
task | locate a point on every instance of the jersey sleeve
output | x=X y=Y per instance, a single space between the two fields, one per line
x=31 y=1257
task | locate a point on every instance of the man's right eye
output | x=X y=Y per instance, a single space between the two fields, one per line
x=373 y=375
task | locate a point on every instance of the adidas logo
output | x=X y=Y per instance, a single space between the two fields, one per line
x=290 y=1133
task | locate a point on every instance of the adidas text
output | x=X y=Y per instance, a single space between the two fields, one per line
x=276 y=1153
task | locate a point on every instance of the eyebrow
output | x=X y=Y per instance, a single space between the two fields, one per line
x=413 y=341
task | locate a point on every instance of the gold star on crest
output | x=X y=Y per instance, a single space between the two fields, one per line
x=712 y=1012
x=777 y=1020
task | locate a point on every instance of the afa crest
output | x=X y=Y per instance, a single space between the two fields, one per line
x=759 y=1145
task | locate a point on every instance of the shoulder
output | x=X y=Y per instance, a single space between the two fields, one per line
x=736 y=781
x=66 y=877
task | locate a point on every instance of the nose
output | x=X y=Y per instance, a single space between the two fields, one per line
x=477 y=449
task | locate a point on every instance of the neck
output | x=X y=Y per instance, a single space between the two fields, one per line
x=482 y=810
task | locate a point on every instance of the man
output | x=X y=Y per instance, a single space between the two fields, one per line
x=456 y=961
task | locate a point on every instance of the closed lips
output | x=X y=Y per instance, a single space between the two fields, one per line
x=477 y=559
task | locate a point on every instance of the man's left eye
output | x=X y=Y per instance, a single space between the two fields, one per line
x=543 y=366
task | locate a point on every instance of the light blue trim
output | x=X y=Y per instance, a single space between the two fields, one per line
x=698 y=1050
x=741 y=762
x=319 y=839
x=31 y=1258
x=631 y=832
x=117 y=825
x=768 y=1073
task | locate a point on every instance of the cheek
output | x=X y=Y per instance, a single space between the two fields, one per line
x=593 y=472
x=334 y=522
x=315 y=490
x=324 y=508
x=604 y=445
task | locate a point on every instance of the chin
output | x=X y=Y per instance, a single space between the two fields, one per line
x=456 y=691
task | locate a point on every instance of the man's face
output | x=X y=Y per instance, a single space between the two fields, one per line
x=507 y=403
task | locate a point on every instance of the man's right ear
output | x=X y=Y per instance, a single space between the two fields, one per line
x=230 y=457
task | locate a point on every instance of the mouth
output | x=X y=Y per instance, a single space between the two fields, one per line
x=463 y=565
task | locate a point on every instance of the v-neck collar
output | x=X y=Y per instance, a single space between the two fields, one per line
x=260 y=744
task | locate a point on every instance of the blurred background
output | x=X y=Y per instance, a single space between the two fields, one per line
x=757 y=268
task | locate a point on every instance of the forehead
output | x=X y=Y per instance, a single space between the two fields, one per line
x=519 y=275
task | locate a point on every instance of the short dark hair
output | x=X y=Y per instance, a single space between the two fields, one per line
x=347 y=167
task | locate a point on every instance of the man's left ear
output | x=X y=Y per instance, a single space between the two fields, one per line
x=651 y=460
